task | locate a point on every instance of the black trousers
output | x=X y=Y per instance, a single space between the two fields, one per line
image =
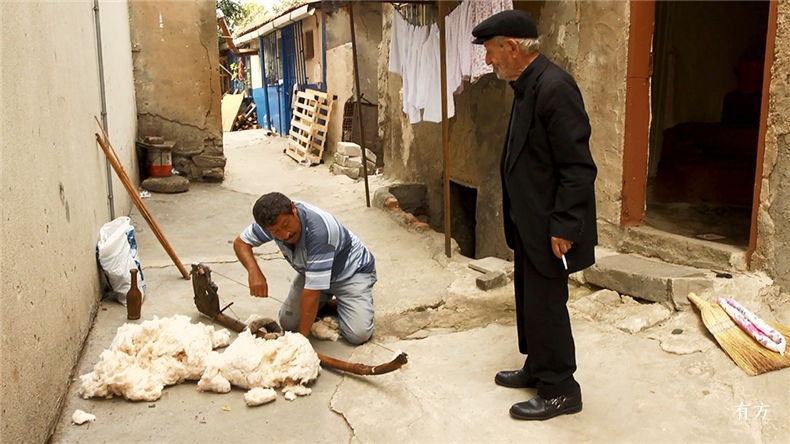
x=544 y=327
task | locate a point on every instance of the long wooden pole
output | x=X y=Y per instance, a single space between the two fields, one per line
x=130 y=188
x=448 y=227
x=358 y=104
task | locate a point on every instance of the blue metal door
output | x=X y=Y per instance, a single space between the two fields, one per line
x=289 y=58
x=282 y=62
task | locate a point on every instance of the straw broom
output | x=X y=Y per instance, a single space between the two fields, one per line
x=747 y=353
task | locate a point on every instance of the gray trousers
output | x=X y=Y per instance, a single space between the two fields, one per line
x=354 y=306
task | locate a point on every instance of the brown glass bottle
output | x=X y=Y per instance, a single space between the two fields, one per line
x=134 y=298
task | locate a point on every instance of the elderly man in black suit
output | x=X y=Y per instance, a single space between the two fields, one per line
x=548 y=199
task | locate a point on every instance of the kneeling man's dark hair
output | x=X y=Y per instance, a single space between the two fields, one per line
x=269 y=206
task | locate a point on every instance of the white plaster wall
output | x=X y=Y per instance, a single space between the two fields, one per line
x=256 y=75
x=119 y=94
x=340 y=84
x=54 y=195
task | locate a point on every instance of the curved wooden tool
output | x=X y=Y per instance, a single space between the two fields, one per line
x=364 y=369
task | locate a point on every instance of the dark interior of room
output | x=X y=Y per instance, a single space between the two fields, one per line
x=463 y=201
x=706 y=99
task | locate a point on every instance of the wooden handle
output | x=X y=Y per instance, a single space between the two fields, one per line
x=364 y=369
x=130 y=188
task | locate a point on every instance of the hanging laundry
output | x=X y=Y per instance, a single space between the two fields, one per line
x=416 y=69
x=459 y=46
x=415 y=73
x=415 y=55
x=430 y=95
x=480 y=11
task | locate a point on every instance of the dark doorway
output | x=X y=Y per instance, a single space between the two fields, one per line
x=706 y=96
x=463 y=222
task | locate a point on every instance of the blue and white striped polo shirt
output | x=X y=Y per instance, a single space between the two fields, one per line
x=327 y=251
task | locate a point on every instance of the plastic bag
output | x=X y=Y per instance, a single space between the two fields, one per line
x=116 y=253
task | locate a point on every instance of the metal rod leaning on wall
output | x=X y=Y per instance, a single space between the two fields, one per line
x=109 y=151
x=358 y=103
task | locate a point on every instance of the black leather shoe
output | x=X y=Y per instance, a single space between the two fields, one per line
x=515 y=379
x=539 y=408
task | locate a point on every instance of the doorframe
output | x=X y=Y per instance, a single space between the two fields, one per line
x=636 y=143
x=770 y=47
x=636 y=140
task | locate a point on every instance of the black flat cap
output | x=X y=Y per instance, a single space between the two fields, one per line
x=510 y=23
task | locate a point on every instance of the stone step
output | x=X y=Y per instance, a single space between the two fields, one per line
x=647 y=278
x=683 y=250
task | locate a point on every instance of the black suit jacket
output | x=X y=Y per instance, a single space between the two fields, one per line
x=548 y=173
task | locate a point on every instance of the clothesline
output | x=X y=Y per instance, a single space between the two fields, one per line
x=417 y=14
x=420 y=12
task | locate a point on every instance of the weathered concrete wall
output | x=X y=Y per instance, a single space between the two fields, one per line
x=367 y=24
x=340 y=62
x=590 y=41
x=176 y=72
x=773 y=238
x=53 y=188
x=476 y=133
x=476 y=137
x=313 y=66
x=394 y=131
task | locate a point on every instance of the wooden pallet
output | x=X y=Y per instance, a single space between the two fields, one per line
x=309 y=125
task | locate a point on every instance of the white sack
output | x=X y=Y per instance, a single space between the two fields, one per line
x=116 y=252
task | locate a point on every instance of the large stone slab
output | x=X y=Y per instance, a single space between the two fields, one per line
x=491 y=263
x=648 y=279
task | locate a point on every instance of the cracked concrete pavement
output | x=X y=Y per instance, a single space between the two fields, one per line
x=647 y=374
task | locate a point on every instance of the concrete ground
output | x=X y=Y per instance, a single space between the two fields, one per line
x=647 y=374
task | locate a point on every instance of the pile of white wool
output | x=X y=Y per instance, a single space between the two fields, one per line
x=144 y=358
x=254 y=363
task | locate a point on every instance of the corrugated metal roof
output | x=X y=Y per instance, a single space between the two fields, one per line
x=292 y=15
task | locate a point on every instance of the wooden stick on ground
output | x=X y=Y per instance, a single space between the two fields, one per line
x=133 y=193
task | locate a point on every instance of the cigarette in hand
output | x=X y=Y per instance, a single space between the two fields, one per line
x=564 y=263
